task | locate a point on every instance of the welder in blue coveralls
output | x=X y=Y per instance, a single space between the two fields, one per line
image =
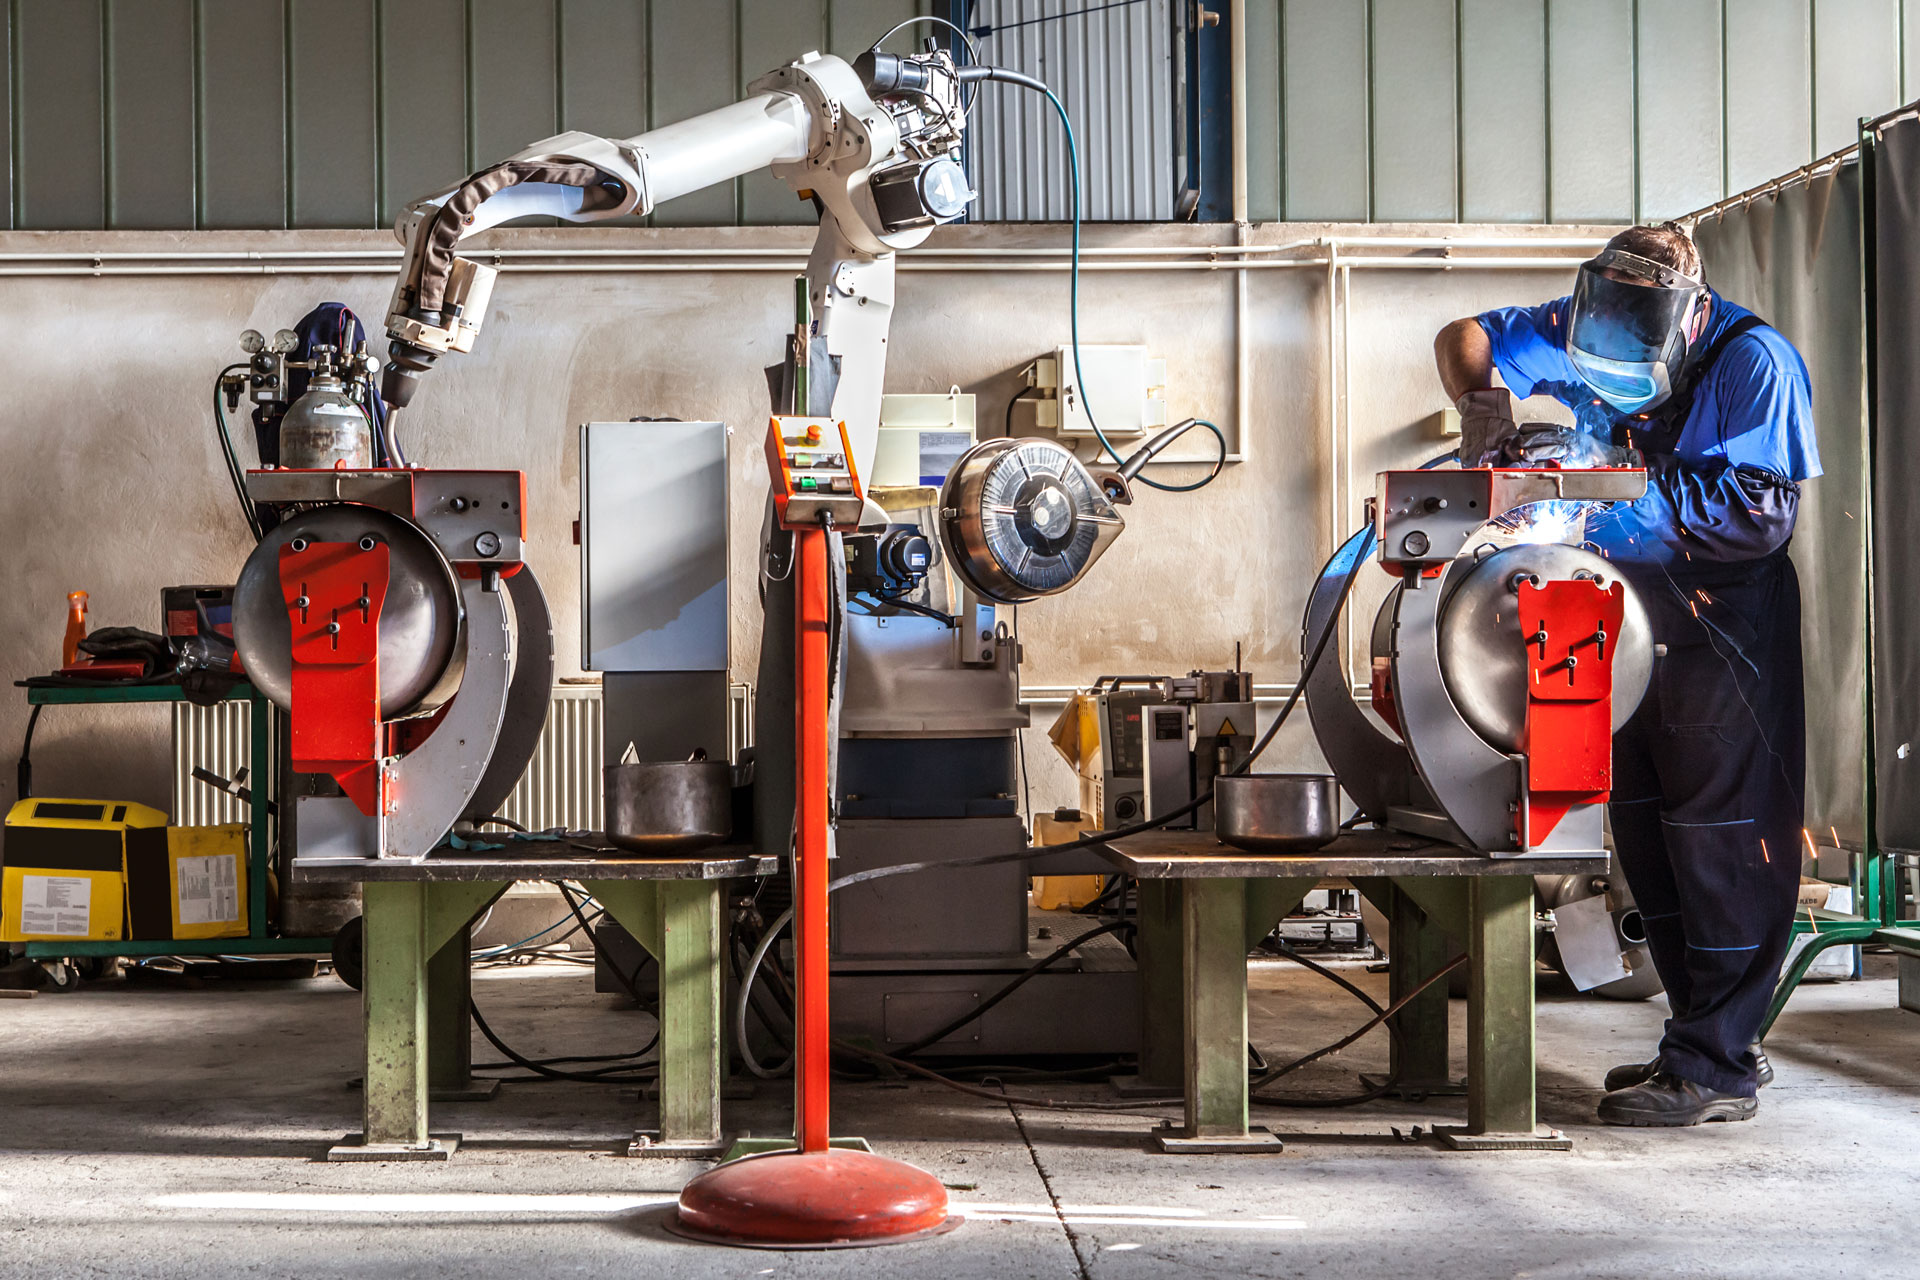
x=1708 y=783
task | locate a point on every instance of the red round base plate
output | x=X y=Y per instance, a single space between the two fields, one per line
x=813 y=1200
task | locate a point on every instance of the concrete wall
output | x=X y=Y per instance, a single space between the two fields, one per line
x=114 y=482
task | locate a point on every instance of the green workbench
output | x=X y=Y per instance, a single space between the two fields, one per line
x=1204 y=905
x=258 y=940
x=417 y=918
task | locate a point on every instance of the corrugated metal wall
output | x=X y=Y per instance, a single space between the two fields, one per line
x=332 y=113
x=1556 y=110
x=1114 y=71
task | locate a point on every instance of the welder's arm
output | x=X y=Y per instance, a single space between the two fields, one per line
x=1718 y=511
x=1464 y=356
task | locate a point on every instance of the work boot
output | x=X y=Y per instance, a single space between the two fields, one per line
x=1630 y=1074
x=1633 y=1073
x=1667 y=1101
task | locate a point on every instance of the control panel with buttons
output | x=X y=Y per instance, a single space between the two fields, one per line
x=811 y=462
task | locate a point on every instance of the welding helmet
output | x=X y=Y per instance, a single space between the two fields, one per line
x=1627 y=328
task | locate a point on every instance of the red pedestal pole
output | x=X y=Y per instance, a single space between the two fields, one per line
x=815 y=1197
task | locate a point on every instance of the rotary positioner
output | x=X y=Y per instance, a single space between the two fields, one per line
x=1503 y=660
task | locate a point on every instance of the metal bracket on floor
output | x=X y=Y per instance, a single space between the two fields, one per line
x=1543 y=1138
x=648 y=1144
x=1133 y=1086
x=352 y=1150
x=1173 y=1140
x=746 y=1146
x=1415 y=1090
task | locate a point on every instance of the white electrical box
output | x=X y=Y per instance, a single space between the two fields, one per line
x=1126 y=388
x=653 y=546
x=921 y=437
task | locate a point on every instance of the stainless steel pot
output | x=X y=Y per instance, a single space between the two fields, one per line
x=1276 y=812
x=671 y=807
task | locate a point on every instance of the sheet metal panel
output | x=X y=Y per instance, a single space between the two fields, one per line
x=603 y=63
x=1856 y=67
x=7 y=184
x=334 y=163
x=1590 y=110
x=1679 y=117
x=1325 y=79
x=1414 y=163
x=512 y=77
x=692 y=69
x=150 y=116
x=60 y=147
x=772 y=34
x=853 y=25
x=1263 y=110
x=241 y=45
x=1909 y=49
x=1503 y=117
x=1769 y=103
x=1114 y=71
x=423 y=100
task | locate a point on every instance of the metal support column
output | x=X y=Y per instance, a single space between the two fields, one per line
x=1213 y=966
x=394 y=1002
x=1157 y=947
x=1500 y=1024
x=682 y=925
x=1417 y=948
x=449 y=1024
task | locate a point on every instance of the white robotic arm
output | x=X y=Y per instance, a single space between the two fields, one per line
x=877 y=148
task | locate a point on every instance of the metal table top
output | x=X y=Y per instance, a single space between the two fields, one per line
x=1187 y=855
x=568 y=862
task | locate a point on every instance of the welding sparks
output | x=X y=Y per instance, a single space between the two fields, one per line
x=1811 y=851
x=1555 y=520
x=1763 y=850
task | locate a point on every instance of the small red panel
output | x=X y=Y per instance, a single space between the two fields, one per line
x=1571 y=629
x=334 y=592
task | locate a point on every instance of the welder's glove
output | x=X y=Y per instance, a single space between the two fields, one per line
x=1486 y=425
x=1537 y=444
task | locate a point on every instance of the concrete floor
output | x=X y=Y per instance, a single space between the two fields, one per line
x=165 y=1132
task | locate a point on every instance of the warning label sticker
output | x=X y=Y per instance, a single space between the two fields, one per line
x=56 y=906
x=208 y=889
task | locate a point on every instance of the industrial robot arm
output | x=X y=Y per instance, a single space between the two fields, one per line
x=875 y=146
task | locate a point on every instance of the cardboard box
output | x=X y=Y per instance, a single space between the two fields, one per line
x=107 y=870
x=1051 y=893
x=205 y=883
x=64 y=865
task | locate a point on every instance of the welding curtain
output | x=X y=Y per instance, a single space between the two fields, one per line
x=1796 y=258
x=1896 y=485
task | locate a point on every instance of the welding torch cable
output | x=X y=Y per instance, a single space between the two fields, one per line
x=1385 y=1086
x=1032 y=971
x=234 y=471
x=1005 y=76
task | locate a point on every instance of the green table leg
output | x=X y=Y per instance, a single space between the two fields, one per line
x=1500 y=1028
x=394 y=1001
x=682 y=924
x=449 y=1024
x=1157 y=946
x=1417 y=947
x=1213 y=955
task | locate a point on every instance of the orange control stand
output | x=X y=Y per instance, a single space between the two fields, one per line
x=816 y=1196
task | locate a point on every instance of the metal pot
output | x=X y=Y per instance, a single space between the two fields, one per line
x=664 y=808
x=1276 y=812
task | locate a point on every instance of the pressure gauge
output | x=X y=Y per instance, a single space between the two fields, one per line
x=252 y=343
x=285 y=340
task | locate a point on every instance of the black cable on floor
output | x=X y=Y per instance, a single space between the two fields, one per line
x=1382 y=1015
